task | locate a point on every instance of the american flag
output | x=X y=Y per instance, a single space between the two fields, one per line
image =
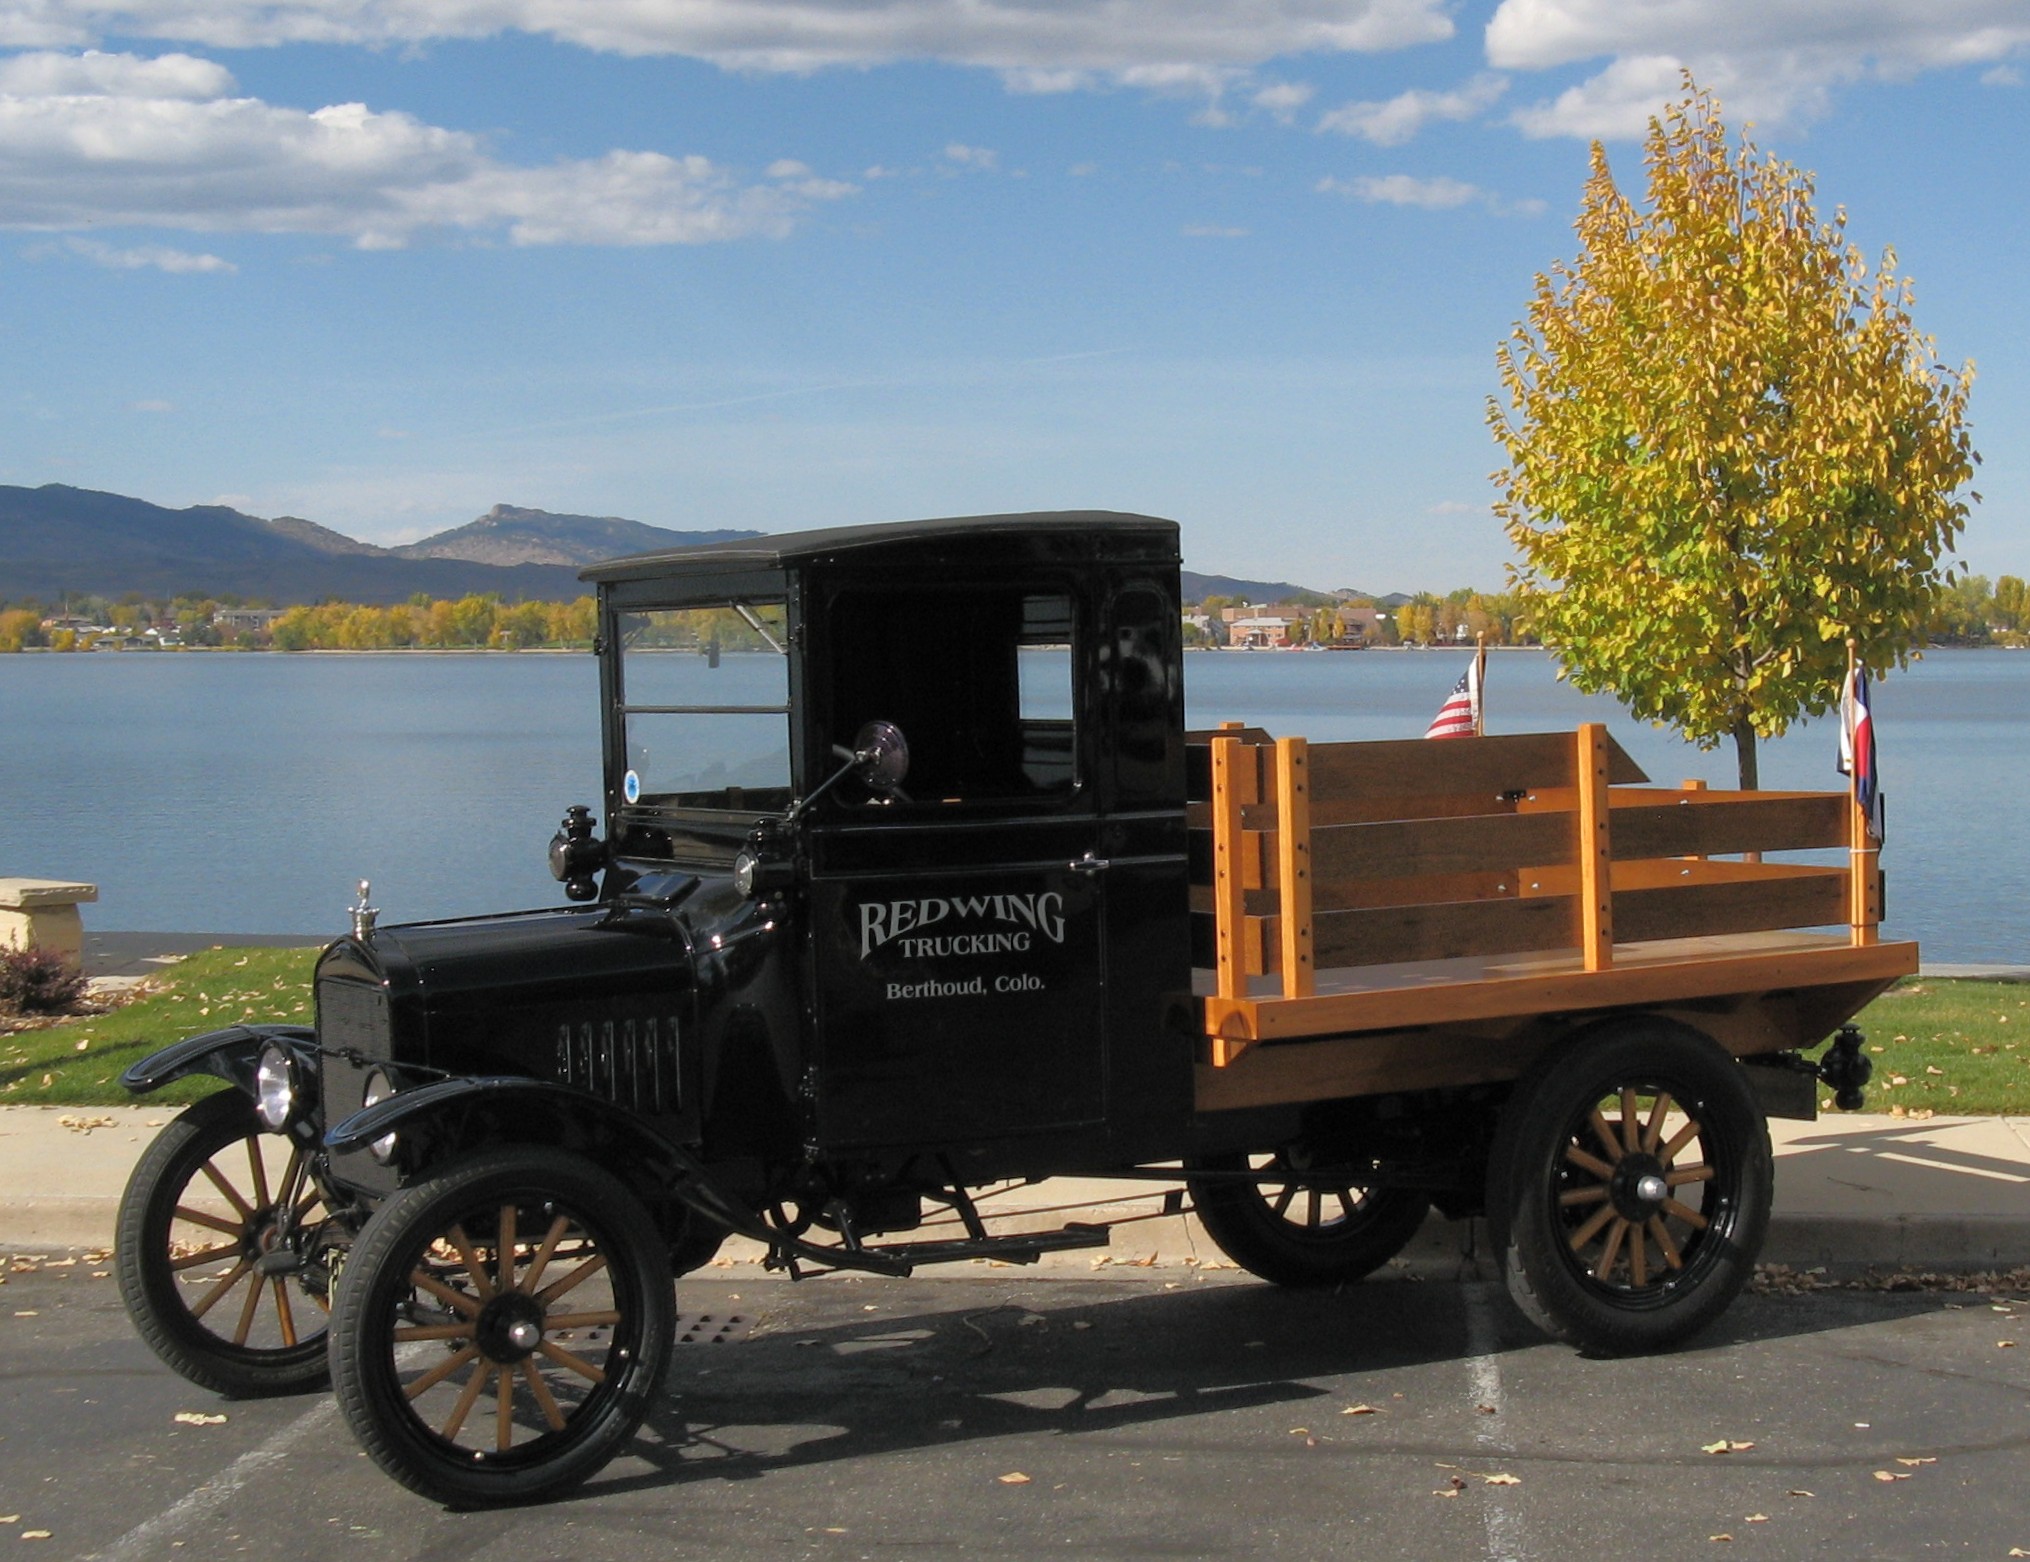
x=1459 y=716
x=1857 y=745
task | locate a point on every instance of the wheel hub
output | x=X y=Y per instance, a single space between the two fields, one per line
x=510 y=1328
x=1638 y=1189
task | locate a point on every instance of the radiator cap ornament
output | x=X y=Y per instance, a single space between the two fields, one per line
x=363 y=914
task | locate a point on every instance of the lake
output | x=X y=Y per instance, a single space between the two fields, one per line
x=249 y=793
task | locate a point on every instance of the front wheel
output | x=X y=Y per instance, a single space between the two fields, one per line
x=221 y=1253
x=502 y=1327
x=1629 y=1189
x=1293 y=1229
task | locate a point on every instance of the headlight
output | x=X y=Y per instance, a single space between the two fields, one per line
x=379 y=1088
x=743 y=874
x=275 y=1088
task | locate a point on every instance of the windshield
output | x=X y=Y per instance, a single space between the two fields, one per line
x=704 y=706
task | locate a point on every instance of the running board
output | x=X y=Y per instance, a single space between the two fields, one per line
x=1020 y=1248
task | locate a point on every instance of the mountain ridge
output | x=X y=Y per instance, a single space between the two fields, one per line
x=57 y=540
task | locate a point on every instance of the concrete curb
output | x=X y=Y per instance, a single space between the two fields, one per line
x=1867 y=1191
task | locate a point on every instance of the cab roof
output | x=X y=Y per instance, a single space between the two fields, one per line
x=1086 y=535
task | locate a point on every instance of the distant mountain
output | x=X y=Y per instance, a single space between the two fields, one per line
x=1198 y=587
x=507 y=534
x=56 y=540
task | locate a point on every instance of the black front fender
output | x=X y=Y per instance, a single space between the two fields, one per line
x=517 y=1109
x=231 y=1054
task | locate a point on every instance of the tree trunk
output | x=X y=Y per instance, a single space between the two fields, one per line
x=1744 y=750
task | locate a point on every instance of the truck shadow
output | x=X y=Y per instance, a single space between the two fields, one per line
x=926 y=1372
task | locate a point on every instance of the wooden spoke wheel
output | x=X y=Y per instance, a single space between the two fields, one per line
x=1630 y=1188
x=502 y=1327
x=221 y=1252
x=1296 y=1232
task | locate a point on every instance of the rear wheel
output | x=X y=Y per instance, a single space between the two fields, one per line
x=220 y=1253
x=502 y=1327
x=1629 y=1189
x=1297 y=1231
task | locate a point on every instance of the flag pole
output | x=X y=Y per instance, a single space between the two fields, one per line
x=1480 y=684
x=1863 y=909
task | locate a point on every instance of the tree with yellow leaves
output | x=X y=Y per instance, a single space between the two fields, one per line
x=1729 y=448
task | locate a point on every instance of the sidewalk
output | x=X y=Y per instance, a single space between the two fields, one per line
x=1851 y=1192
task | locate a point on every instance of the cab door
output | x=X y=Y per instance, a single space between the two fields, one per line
x=957 y=932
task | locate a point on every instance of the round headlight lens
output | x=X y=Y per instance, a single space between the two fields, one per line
x=379 y=1088
x=275 y=1090
x=743 y=874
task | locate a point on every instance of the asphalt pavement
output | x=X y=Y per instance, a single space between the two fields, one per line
x=1194 y=1416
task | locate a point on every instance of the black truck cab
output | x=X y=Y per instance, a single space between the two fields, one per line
x=977 y=952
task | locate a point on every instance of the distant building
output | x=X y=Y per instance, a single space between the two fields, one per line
x=1362 y=626
x=1264 y=633
x=232 y=620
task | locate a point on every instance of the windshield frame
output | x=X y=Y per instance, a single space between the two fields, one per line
x=656 y=826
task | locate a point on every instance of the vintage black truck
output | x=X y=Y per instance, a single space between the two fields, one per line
x=913 y=885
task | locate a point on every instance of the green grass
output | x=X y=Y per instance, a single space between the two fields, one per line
x=1957 y=1047
x=78 y=1062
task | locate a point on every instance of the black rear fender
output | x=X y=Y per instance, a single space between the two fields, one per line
x=231 y=1054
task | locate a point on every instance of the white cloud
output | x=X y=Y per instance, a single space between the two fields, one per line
x=103 y=141
x=1008 y=35
x=148 y=257
x=47 y=74
x=1619 y=102
x=1404 y=190
x=1396 y=120
x=980 y=157
x=1771 y=60
x=2002 y=76
x=1454 y=507
x=1284 y=99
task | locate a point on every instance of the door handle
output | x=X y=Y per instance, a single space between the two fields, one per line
x=1089 y=865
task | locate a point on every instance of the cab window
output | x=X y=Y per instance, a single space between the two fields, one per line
x=979 y=680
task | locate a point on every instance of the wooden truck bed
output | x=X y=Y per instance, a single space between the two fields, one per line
x=1373 y=917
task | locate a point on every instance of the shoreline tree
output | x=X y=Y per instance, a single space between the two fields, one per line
x=1729 y=448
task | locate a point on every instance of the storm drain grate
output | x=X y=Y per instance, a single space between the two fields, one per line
x=712 y=1328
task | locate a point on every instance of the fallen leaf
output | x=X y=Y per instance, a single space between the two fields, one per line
x=1502 y=1480
x=1361 y=1410
x=1013 y=1478
x=10 y=1518
x=1930 y=1070
x=2005 y=1345
x=1446 y=1491
x=2018 y=1551
x=1890 y=1475
x=1728 y=1538
x=1799 y=1491
x=197 y=1418
x=1913 y=1463
x=1725 y=1446
x=35 y=1534
x=1487 y=1410
x=1757 y=1518
x=1300 y=1431
x=28 y=1312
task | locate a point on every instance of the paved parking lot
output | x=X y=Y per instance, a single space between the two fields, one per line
x=1153 y=1415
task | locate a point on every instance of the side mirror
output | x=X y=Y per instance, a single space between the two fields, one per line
x=881 y=756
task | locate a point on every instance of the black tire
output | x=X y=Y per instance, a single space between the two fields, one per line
x=1629 y=1227
x=200 y=1215
x=428 y=1270
x=1295 y=1233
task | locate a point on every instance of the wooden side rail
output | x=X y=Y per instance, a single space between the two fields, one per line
x=1511 y=845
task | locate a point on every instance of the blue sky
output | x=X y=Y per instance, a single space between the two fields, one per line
x=386 y=263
